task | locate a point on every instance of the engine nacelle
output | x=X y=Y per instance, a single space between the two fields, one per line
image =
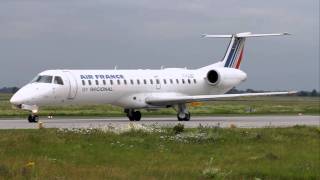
x=225 y=77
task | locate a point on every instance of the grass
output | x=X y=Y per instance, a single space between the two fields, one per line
x=199 y=153
x=289 y=105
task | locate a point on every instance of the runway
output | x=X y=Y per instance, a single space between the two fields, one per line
x=224 y=122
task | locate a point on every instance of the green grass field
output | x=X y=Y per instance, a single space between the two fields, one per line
x=199 y=153
x=285 y=105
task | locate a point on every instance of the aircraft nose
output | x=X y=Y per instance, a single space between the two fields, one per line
x=16 y=99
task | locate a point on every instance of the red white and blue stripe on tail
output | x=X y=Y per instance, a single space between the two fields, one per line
x=234 y=53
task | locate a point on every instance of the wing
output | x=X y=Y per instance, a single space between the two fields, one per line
x=171 y=100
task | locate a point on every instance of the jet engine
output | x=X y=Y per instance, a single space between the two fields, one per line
x=225 y=76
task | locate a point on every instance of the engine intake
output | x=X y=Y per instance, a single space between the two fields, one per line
x=213 y=77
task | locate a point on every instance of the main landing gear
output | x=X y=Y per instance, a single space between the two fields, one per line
x=33 y=118
x=133 y=115
x=183 y=113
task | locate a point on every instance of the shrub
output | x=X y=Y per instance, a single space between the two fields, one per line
x=179 y=128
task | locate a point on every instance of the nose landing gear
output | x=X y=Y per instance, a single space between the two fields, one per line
x=133 y=115
x=33 y=118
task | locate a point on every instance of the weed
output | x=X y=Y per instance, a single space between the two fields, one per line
x=210 y=171
x=4 y=171
x=271 y=156
x=233 y=126
x=179 y=128
x=258 y=136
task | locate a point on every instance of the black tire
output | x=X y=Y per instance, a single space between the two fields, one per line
x=130 y=118
x=33 y=118
x=137 y=115
x=36 y=118
x=30 y=119
x=185 y=118
x=179 y=118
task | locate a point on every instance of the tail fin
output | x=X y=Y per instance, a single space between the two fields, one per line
x=234 y=53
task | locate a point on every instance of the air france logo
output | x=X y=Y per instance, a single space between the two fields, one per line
x=100 y=76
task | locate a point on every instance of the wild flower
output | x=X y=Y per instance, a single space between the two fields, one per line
x=30 y=164
x=119 y=129
x=210 y=171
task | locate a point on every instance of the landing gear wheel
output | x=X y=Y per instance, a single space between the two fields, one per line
x=187 y=118
x=183 y=116
x=137 y=115
x=133 y=115
x=33 y=118
x=179 y=118
x=130 y=118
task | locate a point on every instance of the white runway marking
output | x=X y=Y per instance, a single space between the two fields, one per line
x=241 y=122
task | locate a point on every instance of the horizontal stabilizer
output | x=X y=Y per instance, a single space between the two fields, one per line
x=244 y=34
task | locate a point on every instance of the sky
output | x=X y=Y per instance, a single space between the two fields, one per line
x=36 y=35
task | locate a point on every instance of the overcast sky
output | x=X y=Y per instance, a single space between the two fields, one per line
x=36 y=35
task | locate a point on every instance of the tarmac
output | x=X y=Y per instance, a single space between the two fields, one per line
x=224 y=122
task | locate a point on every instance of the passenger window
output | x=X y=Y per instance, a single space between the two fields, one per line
x=158 y=81
x=177 y=80
x=89 y=81
x=131 y=81
x=183 y=81
x=104 y=82
x=97 y=82
x=111 y=82
x=118 y=81
x=138 y=81
x=151 y=81
x=164 y=81
x=125 y=82
x=195 y=81
x=171 y=81
x=145 y=81
x=189 y=81
x=58 y=80
x=83 y=82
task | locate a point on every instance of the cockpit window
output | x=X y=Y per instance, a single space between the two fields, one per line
x=58 y=80
x=42 y=79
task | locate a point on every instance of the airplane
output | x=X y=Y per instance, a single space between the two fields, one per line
x=134 y=90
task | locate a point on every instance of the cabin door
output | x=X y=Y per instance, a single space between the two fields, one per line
x=72 y=83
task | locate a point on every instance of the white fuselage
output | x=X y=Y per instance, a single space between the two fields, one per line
x=125 y=88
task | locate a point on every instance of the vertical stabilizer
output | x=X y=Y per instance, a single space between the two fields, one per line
x=234 y=54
